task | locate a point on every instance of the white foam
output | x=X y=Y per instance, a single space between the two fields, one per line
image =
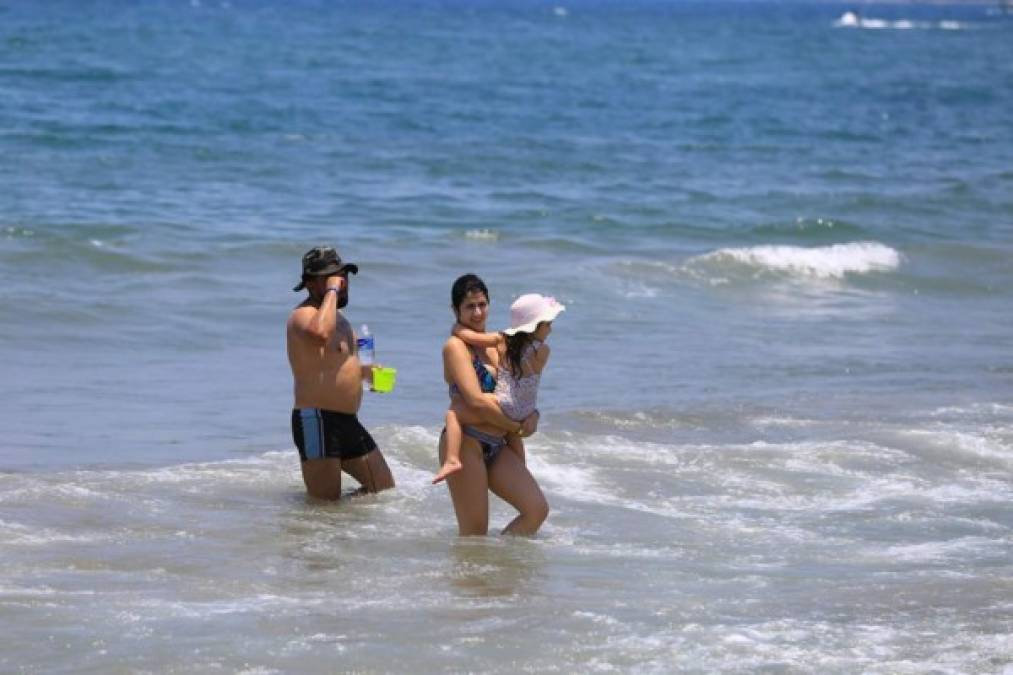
x=596 y=618
x=261 y=470
x=780 y=421
x=310 y=642
x=974 y=410
x=407 y=448
x=483 y=234
x=616 y=550
x=16 y=534
x=589 y=491
x=645 y=278
x=262 y=603
x=933 y=551
x=958 y=443
x=42 y=591
x=856 y=476
x=568 y=480
x=823 y=262
x=818 y=455
x=807 y=645
x=640 y=291
x=580 y=484
x=865 y=494
x=853 y=20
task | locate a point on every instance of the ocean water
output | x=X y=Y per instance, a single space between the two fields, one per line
x=778 y=422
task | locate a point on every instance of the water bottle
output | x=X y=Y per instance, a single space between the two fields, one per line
x=365 y=346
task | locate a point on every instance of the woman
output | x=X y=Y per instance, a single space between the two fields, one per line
x=471 y=373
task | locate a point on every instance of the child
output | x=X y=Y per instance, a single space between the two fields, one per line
x=523 y=355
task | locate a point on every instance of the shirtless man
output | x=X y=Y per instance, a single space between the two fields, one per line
x=328 y=384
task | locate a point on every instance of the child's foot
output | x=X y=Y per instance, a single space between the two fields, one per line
x=449 y=467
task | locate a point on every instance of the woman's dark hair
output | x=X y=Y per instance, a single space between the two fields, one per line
x=465 y=285
x=515 y=346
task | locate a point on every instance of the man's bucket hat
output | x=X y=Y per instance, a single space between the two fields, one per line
x=323 y=261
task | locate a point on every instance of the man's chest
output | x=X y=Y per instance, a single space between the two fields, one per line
x=343 y=340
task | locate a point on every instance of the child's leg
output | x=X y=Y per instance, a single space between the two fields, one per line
x=452 y=460
x=454 y=435
x=515 y=443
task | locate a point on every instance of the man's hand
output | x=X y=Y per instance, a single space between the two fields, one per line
x=335 y=282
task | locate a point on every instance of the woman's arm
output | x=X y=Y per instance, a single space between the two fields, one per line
x=476 y=339
x=459 y=369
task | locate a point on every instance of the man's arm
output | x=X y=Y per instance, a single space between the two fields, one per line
x=321 y=323
x=458 y=360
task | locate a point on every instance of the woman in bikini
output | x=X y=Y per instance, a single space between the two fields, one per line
x=471 y=375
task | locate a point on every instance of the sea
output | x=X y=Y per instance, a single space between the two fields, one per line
x=777 y=424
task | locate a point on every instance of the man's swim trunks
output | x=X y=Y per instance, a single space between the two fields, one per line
x=323 y=434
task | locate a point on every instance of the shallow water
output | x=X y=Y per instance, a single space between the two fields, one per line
x=778 y=423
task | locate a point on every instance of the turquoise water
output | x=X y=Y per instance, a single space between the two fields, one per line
x=778 y=424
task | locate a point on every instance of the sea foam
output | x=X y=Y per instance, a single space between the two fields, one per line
x=853 y=20
x=483 y=234
x=823 y=262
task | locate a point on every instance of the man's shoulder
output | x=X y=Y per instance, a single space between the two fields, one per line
x=301 y=312
x=305 y=305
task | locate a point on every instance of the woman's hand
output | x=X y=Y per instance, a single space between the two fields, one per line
x=529 y=425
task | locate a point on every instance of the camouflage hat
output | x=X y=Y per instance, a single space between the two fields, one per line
x=323 y=261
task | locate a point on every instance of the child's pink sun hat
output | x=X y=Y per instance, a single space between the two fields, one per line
x=530 y=310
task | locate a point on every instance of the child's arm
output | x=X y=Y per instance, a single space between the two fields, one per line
x=515 y=443
x=540 y=359
x=476 y=339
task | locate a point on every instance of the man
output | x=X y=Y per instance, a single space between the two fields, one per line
x=328 y=384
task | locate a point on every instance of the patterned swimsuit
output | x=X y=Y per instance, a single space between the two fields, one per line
x=491 y=445
x=518 y=396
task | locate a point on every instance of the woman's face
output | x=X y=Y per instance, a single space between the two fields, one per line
x=473 y=311
x=543 y=330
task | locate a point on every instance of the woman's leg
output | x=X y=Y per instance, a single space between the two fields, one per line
x=516 y=445
x=511 y=481
x=469 y=488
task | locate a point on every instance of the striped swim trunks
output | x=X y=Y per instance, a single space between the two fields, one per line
x=324 y=434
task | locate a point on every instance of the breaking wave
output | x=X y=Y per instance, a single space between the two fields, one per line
x=822 y=262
